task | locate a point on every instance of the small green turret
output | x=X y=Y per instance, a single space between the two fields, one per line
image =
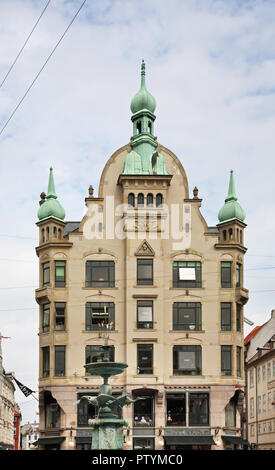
x=231 y=210
x=51 y=207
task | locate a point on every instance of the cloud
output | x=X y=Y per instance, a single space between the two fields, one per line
x=210 y=65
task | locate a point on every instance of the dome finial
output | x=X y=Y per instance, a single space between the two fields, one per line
x=231 y=210
x=50 y=206
x=143 y=100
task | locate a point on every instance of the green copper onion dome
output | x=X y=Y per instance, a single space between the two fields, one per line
x=231 y=210
x=143 y=99
x=51 y=207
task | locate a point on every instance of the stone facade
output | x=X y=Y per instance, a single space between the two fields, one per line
x=7 y=406
x=168 y=358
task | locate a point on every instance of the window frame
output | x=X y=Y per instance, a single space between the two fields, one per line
x=148 y=304
x=190 y=348
x=226 y=350
x=60 y=356
x=60 y=282
x=93 y=264
x=100 y=351
x=145 y=281
x=178 y=283
x=46 y=269
x=199 y=396
x=46 y=312
x=45 y=361
x=60 y=316
x=226 y=316
x=143 y=348
x=176 y=419
x=226 y=272
x=110 y=314
x=180 y=325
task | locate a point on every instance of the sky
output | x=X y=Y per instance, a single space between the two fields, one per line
x=211 y=67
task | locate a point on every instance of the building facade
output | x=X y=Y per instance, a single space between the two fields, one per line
x=29 y=435
x=144 y=264
x=260 y=385
x=7 y=406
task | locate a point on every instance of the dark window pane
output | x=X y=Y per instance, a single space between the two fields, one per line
x=94 y=353
x=144 y=271
x=100 y=274
x=238 y=275
x=143 y=443
x=46 y=318
x=52 y=411
x=186 y=316
x=226 y=274
x=186 y=274
x=238 y=317
x=140 y=200
x=226 y=314
x=46 y=273
x=159 y=200
x=60 y=314
x=239 y=361
x=131 y=200
x=149 y=200
x=187 y=360
x=60 y=352
x=145 y=314
x=176 y=409
x=60 y=273
x=46 y=361
x=226 y=360
x=145 y=359
x=99 y=315
x=198 y=409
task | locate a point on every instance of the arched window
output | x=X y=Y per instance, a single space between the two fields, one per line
x=159 y=200
x=131 y=200
x=241 y=236
x=48 y=233
x=54 y=232
x=230 y=234
x=149 y=200
x=59 y=233
x=141 y=200
x=43 y=234
x=224 y=234
x=149 y=127
x=139 y=127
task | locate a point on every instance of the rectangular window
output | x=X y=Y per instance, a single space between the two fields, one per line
x=45 y=318
x=143 y=409
x=145 y=314
x=186 y=316
x=239 y=361
x=186 y=274
x=94 y=353
x=187 y=360
x=239 y=317
x=60 y=316
x=251 y=378
x=60 y=353
x=226 y=360
x=252 y=407
x=60 y=273
x=259 y=405
x=198 y=409
x=238 y=275
x=52 y=411
x=100 y=274
x=176 y=409
x=263 y=373
x=226 y=274
x=46 y=361
x=86 y=410
x=99 y=315
x=144 y=272
x=46 y=273
x=264 y=403
x=268 y=370
x=145 y=359
x=143 y=443
x=226 y=316
x=269 y=401
x=258 y=375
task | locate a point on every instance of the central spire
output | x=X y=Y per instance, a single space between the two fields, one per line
x=143 y=100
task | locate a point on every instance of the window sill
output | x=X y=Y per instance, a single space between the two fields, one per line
x=186 y=331
x=99 y=288
x=186 y=288
x=145 y=375
x=99 y=331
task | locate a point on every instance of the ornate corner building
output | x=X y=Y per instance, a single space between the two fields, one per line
x=168 y=287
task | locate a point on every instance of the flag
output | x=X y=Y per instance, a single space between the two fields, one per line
x=27 y=391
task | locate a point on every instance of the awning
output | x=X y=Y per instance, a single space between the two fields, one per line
x=189 y=440
x=237 y=440
x=43 y=441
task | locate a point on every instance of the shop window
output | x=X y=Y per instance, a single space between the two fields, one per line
x=145 y=314
x=99 y=315
x=198 y=409
x=176 y=409
x=186 y=274
x=86 y=410
x=187 y=360
x=186 y=316
x=143 y=409
x=143 y=443
x=100 y=274
x=52 y=412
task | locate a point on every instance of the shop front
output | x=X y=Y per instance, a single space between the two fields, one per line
x=188 y=439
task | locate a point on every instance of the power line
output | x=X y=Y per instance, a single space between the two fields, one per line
x=42 y=68
x=21 y=50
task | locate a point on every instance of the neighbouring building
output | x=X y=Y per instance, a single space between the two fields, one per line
x=7 y=407
x=144 y=264
x=29 y=435
x=16 y=431
x=260 y=385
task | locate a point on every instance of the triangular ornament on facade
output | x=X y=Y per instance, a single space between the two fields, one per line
x=145 y=249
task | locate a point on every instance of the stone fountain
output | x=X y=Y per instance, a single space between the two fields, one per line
x=107 y=427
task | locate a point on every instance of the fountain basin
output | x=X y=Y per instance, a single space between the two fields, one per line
x=105 y=369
